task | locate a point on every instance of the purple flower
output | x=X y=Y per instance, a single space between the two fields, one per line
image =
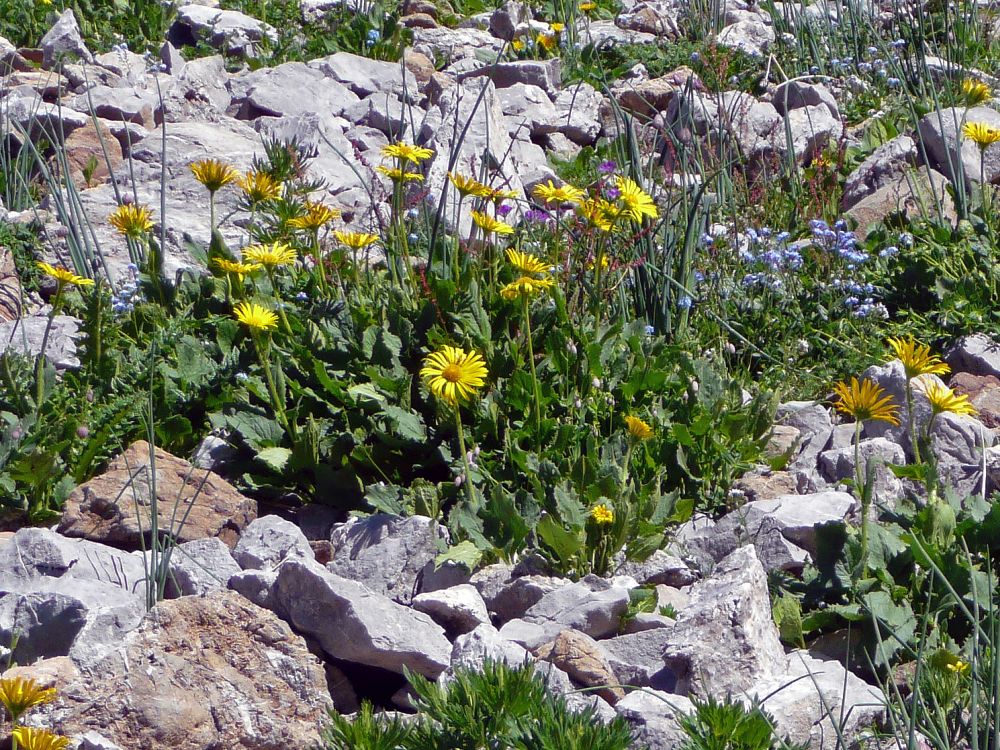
x=504 y=210
x=612 y=193
x=607 y=167
x=536 y=215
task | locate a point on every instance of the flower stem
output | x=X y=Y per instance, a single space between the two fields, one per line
x=863 y=496
x=531 y=360
x=465 y=458
x=40 y=364
x=911 y=426
x=277 y=402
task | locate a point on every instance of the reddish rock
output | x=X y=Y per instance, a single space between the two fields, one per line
x=84 y=150
x=984 y=394
x=583 y=659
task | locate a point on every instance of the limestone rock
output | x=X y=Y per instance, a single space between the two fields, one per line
x=637 y=659
x=458 y=609
x=583 y=659
x=116 y=507
x=357 y=625
x=200 y=672
x=25 y=335
x=885 y=164
x=277 y=92
x=949 y=152
x=592 y=605
x=920 y=193
x=63 y=42
x=655 y=714
x=229 y=31
x=268 y=541
x=200 y=567
x=977 y=354
x=984 y=394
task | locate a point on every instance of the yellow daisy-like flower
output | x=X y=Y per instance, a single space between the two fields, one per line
x=638 y=429
x=942 y=399
x=63 y=275
x=599 y=213
x=526 y=262
x=587 y=7
x=917 y=358
x=398 y=175
x=602 y=514
x=517 y=45
x=498 y=194
x=526 y=286
x=958 y=667
x=131 y=220
x=557 y=27
x=356 y=240
x=271 y=256
x=18 y=694
x=865 y=400
x=317 y=215
x=255 y=317
x=636 y=202
x=490 y=225
x=548 y=42
x=549 y=193
x=214 y=174
x=235 y=267
x=604 y=262
x=468 y=185
x=259 y=187
x=407 y=152
x=453 y=374
x=975 y=92
x=981 y=134
x=29 y=738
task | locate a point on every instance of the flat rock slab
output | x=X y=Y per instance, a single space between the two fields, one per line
x=199 y=673
x=116 y=507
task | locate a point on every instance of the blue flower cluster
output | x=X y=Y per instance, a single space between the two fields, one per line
x=123 y=301
x=838 y=239
x=769 y=255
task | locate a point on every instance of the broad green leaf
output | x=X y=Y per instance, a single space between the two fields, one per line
x=464 y=553
x=274 y=458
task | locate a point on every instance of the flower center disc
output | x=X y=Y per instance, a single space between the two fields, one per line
x=452 y=373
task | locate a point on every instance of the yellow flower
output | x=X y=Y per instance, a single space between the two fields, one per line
x=526 y=262
x=468 y=185
x=406 y=152
x=398 y=175
x=958 y=667
x=636 y=202
x=547 y=42
x=981 y=134
x=864 y=401
x=356 y=240
x=260 y=186
x=587 y=7
x=233 y=266
x=599 y=213
x=917 y=358
x=489 y=225
x=605 y=262
x=638 y=429
x=602 y=514
x=18 y=694
x=255 y=317
x=454 y=375
x=517 y=45
x=316 y=216
x=527 y=286
x=549 y=193
x=276 y=254
x=131 y=220
x=63 y=275
x=213 y=174
x=557 y=27
x=497 y=194
x=942 y=399
x=29 y=738
x=975 y=92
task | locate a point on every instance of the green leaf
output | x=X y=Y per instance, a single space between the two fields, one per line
x=386 y=498
x=405 y=424
x=564 y=543
x=918 y=472
x=464 y=553
x=787 y=614
x=682 y=434
x=568 y=506
x=274 y=458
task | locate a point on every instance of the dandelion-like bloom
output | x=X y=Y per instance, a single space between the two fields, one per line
x=356 y=240
x=63 y=275
x=498 y=194
x=599 y=213
x=255 y=317
x=490 y=225
x=636 y=202
x=587 y=7
x=981 y=134
x=407 y=152
x=317 y=215
x=549 y=193
x=865 y=400
x=557 y=27
x=398 y=175
x=602 y=514
x=214 y=174
x=958 y=667
x=468 y=185
x=453 y=374
x=259 y=186
x=271 y=256
x=917 y=358
x=131 y=220
x=30 y=738
x=18 y=694
x=517 y=45
x=236 y=267
x=547 y=42
x=638 y=429
x=527 y=263
x=526 y=286
x=975 y=92
x=942 y=399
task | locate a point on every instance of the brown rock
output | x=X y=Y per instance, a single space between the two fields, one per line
x=421 y=6
x=10 y=286
x=420 y=65
x=984 y=394
x=418 y=21
x=782 y=441
x=200 y=673
x=84 y=151
x=47 y=83
x=58 y=672
x=649 y=97
x=583 y=659
x=104 y=509
x=766 y=485
x=911 y=195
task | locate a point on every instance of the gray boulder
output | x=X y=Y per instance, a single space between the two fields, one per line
x=458 y=609
x=796 y=94
x=200 y=567
x=977 y=354
x=365 y=76
x=637 y=659
x=517 y=596
x=255 y=585
x=277 y=92
x=26 y=334
x=229 y=31
x=886 y=163
x=354 y=624
x=592 y=605
x=268 y=541
x=63 y=42
x=654 y=714
x=954 y=155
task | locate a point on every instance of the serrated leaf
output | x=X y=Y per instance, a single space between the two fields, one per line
x=275 y=458
x=464 y=553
